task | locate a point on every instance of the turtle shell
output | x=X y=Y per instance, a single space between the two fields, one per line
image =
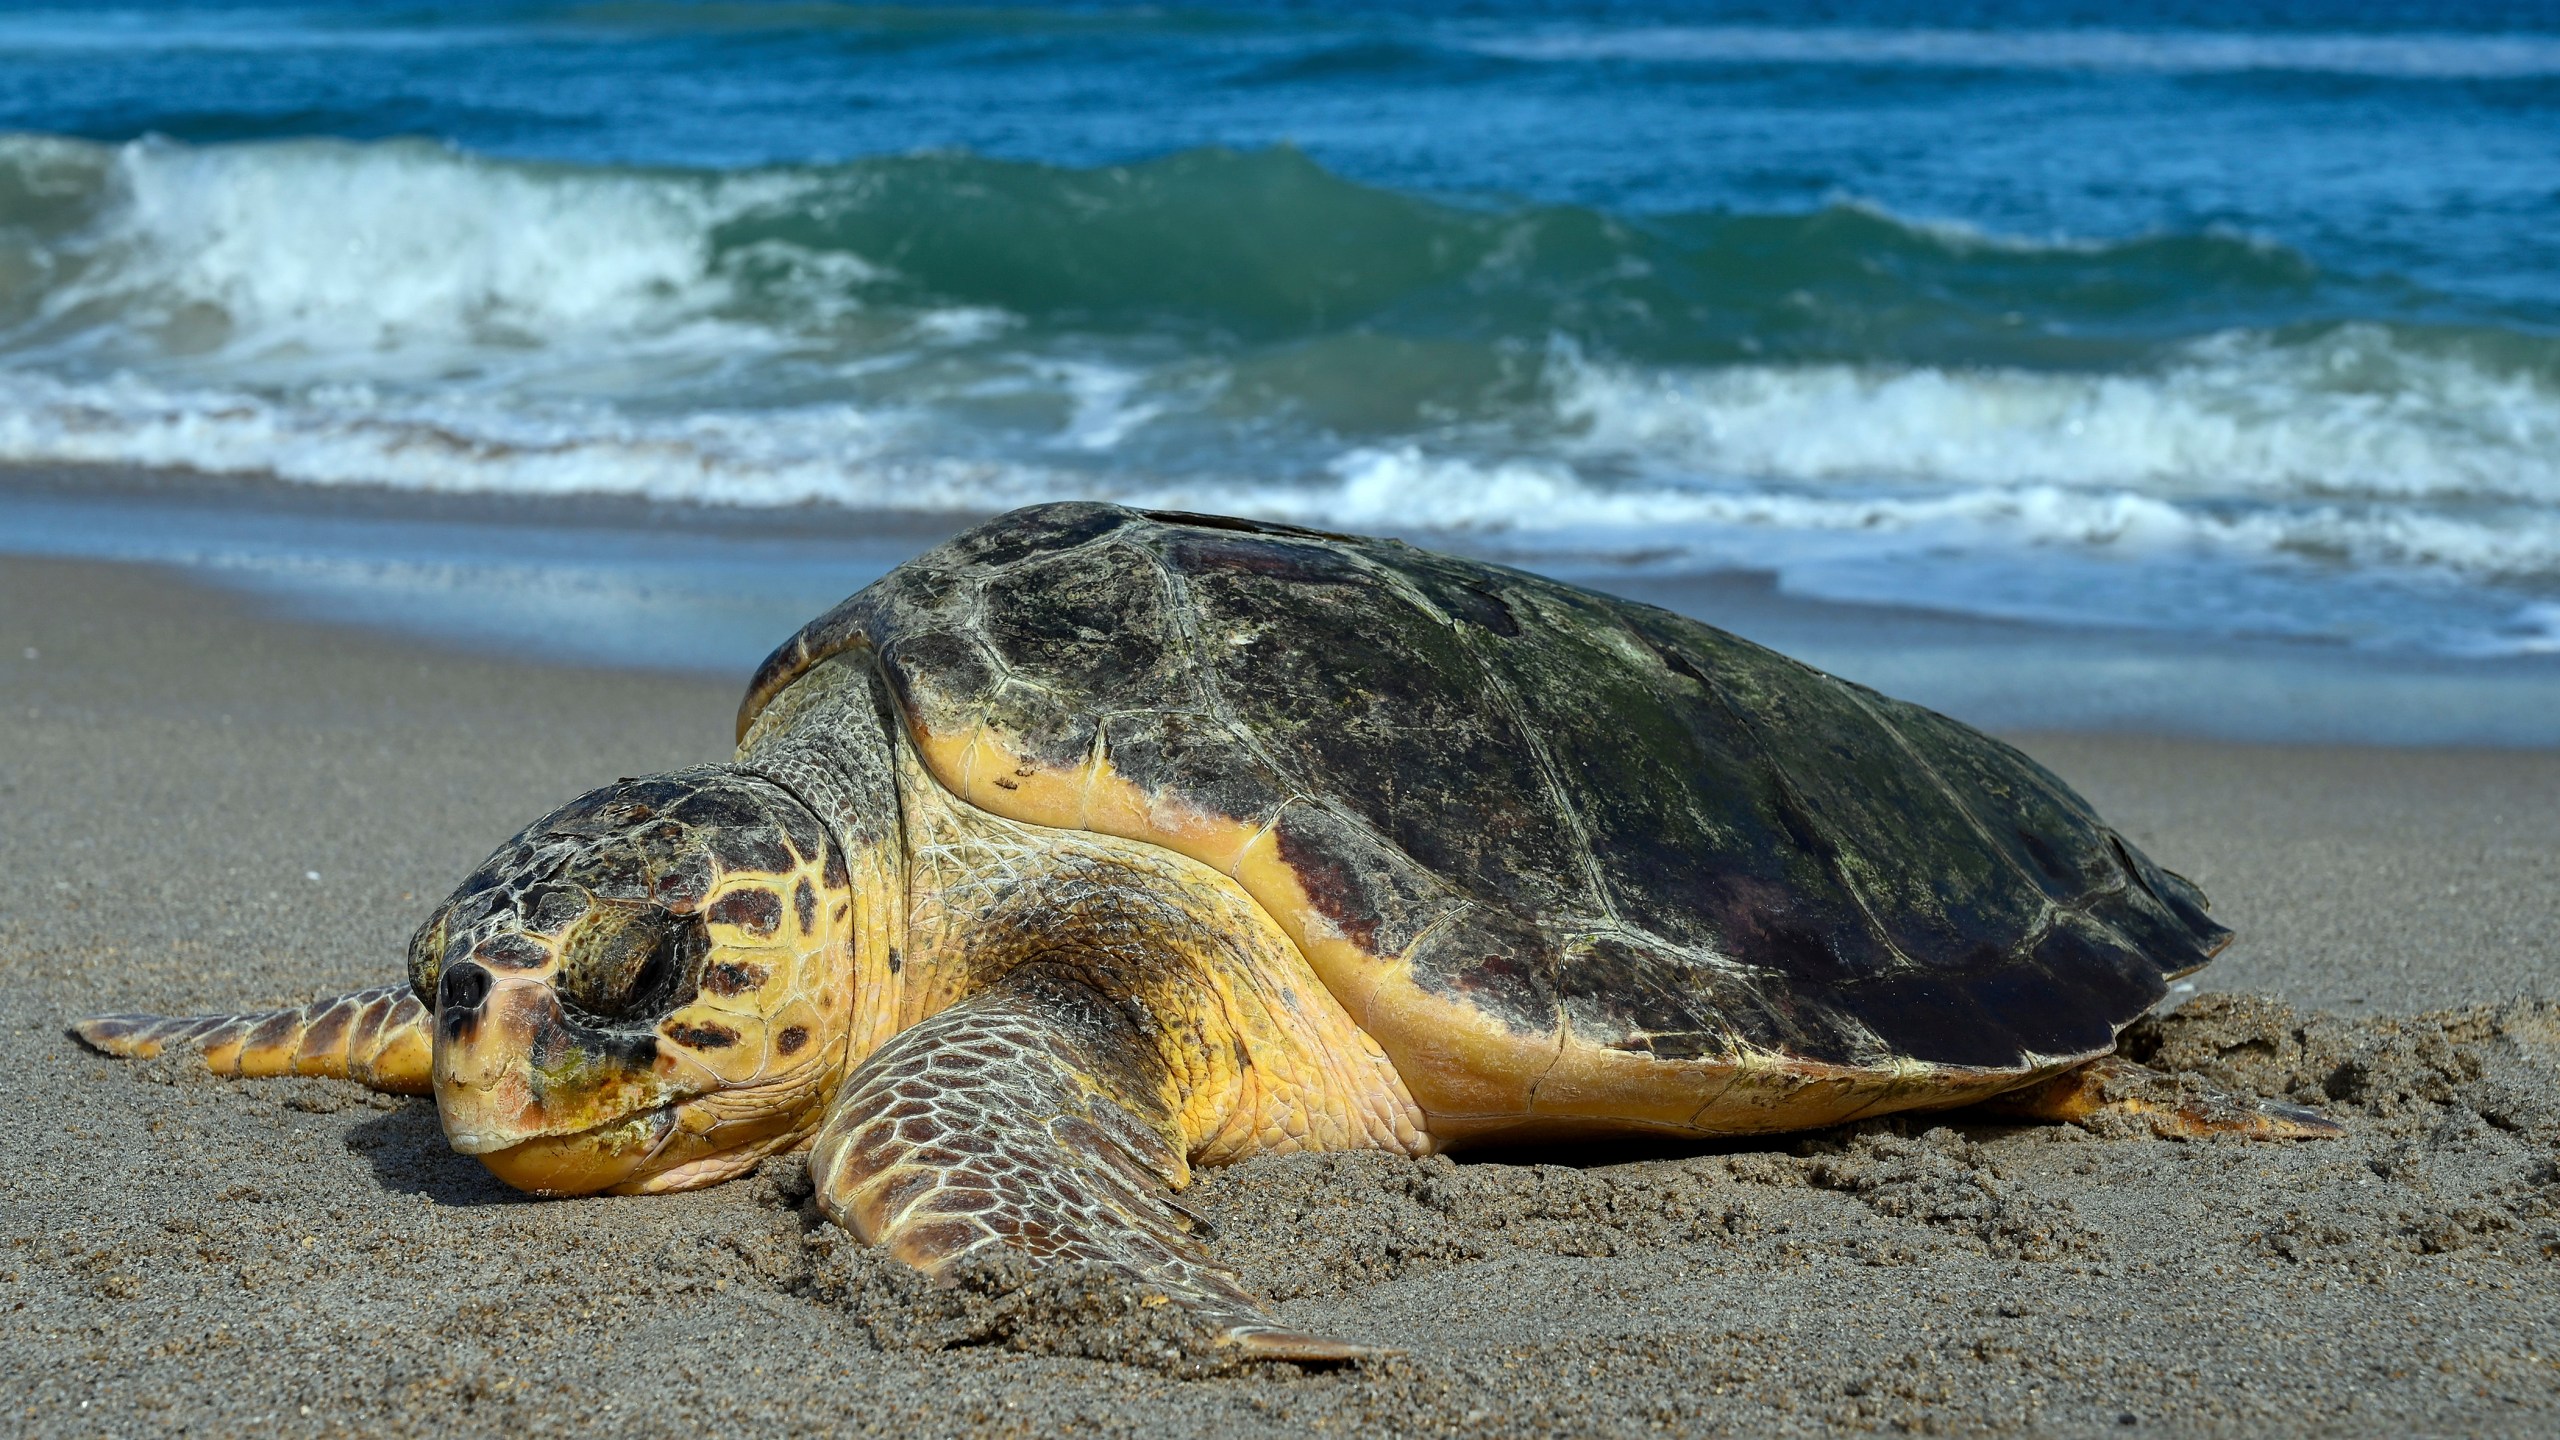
x=1565 y=855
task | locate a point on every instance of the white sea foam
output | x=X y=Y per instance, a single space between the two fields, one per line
x=408 y=263
x=1408 y=488
x=2534 y=630
x=2407 y=55
x=323 y=247
x=356 y=435
x=2020 y=549
x=2118 y=462
x=2356 y=412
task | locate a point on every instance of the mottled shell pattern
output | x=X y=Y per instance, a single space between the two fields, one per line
x=1542 y=842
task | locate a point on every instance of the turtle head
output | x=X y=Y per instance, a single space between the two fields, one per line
x=648 y=989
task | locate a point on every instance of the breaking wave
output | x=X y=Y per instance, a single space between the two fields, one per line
x=153 y=250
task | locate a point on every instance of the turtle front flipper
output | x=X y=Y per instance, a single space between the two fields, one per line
x=380 y=1038
x=1036 y=1115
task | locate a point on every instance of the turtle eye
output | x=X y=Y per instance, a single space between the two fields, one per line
x=666 y=978
x=638 y=970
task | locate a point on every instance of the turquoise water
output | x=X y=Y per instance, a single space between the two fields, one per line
x=2235 y=322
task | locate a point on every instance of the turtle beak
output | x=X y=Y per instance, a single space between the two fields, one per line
x=485 y=1035
x=588 y=1161
x=546 y=1106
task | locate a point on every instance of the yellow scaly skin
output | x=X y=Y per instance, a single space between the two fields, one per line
x=739 y=1072
x=1087 y=1016
x=377 y=1038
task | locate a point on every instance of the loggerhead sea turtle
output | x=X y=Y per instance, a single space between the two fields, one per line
x=1098 y=844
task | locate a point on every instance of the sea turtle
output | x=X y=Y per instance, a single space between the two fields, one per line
x=1098 y=844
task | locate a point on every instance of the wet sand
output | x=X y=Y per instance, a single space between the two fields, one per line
x=202 y=806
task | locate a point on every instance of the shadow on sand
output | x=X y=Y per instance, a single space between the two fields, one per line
x=407 y=1150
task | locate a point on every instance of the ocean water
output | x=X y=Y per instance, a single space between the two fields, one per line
x=2212 y=323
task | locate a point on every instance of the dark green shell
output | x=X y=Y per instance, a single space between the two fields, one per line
x=1558 y=806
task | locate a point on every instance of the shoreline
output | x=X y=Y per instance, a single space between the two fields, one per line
x=177 y=764
x=708 y=590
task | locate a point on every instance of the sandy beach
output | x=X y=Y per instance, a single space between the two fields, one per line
x=209 y=807
x=413 y=417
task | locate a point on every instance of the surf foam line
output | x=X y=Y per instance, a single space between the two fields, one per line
x=1893 y=488
x=2356 y=411
x=1407 y=488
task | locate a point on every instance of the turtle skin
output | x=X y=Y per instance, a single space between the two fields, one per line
x=1578 y=816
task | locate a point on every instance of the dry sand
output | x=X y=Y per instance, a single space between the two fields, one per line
x=205 y=807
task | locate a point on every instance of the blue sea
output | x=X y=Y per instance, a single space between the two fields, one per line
x=2161 y=325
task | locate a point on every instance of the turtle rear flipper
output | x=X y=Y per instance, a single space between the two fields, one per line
x=2177 y=1107
x=380 y=1038
x=1037 y=1116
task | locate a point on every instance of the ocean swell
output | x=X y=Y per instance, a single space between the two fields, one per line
x=2399 y=55
x=152 y=248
